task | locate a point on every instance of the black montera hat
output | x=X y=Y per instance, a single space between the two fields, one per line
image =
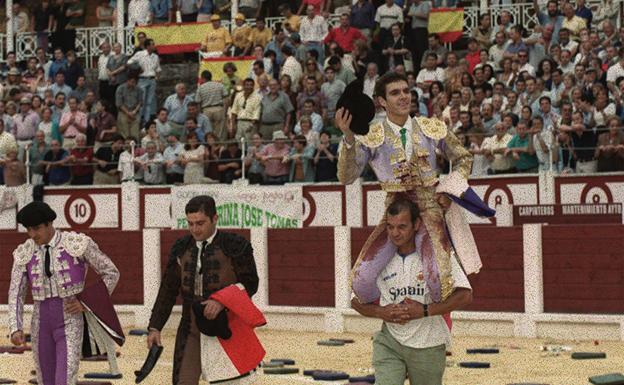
x=359 y=105
x=35 y=213
x=217 y=327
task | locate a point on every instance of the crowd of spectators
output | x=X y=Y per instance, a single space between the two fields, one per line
x=521 y=101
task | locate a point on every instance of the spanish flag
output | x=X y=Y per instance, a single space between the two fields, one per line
x=448 y=23
x=215 y=66
x=175 y=37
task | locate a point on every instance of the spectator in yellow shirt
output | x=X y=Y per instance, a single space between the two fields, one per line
x=260 y=34
x=241 y=36
x=292 y=21
x=572 y=22
x=218 y=40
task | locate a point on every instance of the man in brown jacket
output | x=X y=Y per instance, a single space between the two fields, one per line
x=201 y=263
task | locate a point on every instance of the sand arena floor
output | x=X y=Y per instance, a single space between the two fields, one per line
x=520 y=360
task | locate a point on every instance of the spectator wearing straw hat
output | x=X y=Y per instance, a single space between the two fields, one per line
x=241 y=36
x=276 y=171
x=218 y=40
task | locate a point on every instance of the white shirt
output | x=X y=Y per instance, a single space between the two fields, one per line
x=614 y=72
x=409 y=147
x=496 y=54
x=198 y=281
x=480 y=163
x=126 y=166
x=150 y=64
x=571 y=46
x=386 y=16
x=428 y=76
x=369 y=85
x=543 y=156
x=139 y=12
x=102 y=71
x=292 y=68
x=404 y=278
x=500 y=162
x=528 y=68
x=313 y=30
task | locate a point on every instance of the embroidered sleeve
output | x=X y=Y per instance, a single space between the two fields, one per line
x=169 y=287
x=351 y=161
x=102 y=264
x=17 y=295
x=240 y=251
x=457 y=154
x=75 y=243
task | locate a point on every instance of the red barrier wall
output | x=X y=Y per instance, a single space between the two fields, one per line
x=301 y=266
x=499 y=286
x=127 y=256
x=583 y=269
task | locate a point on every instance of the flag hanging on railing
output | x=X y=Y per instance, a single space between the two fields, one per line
x=448 y=23
x=215 y=66
x=175 y=38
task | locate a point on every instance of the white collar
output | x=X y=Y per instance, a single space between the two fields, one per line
x=209 y=240
x=397 y=128
x=53 y=241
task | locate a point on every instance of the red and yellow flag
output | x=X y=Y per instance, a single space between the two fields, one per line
x=448 y=23
x=215 y=66
x=176 y=38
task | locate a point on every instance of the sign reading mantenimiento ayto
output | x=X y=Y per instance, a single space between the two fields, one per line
x=568 y=213
x=244 y=207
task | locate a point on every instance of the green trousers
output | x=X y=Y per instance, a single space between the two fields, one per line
x=392 y=361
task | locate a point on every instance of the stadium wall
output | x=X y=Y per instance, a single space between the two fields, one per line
x=537 y=280
x=529 y=286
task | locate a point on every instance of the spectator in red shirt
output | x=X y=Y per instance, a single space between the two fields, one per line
x=472 y=56
x=273 y=157
x=81 y=161
x=319 y=6
x=344 y=35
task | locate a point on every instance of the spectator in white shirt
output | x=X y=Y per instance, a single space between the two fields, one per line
x=497 y=51
x=107 y=92
x=291 y=67
x=139 y=12
x=387 y=15
x=616 y=70
x=312 y=31
x=431 y=73
x=480 y=163
x=149 y=62
x=370 y=79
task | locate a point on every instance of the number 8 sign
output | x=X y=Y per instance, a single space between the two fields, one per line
x=80 y=211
